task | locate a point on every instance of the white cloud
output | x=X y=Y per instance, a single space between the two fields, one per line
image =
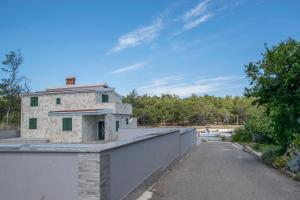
x=220 y=78
x=176 y=85
x=197 y=22
x=196 y=11
x=129 y=68
x=194 y=17
x=139 y=36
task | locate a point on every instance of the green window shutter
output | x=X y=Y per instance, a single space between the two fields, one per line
x=34 y=101
x=104 y=98
x=32 y=123
x=117 y=125
x=57 y=101
x=67 y=124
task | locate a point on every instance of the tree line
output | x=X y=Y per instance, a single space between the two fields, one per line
x=193 y=110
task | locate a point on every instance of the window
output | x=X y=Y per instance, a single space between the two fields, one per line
x=67 y=124
x=57 y=101
x=34 y=101
x=32 y=123
x=117 y=125
x=127 y=121
x=104 y=98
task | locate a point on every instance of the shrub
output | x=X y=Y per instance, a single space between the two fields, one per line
x=294 y=164
x=297 y=177
x=256 y=147
x=223 y=138
x=281 y=162
x=296 y=141
x=241 y=135
x=271 y=155
x=260 y=127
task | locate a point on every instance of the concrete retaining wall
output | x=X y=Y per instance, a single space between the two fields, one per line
x=135 y=167
x=40 y=176
x=132 y=164
x=9 y=134
x=188 y=138
x=112 y=171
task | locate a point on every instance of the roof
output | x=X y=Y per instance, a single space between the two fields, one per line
x=83 y=112
x=79 y=87
x=69 y=89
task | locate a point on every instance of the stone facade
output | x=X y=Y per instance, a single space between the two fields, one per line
x=84 y=126
x=89 y=176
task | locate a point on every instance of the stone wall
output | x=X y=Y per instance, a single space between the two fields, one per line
x=133 y=122
x=112 y=97
x=110 y=128
x=50 y=127
x=89 y=176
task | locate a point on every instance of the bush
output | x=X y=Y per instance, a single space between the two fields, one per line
x=272 y=154
x=241 y=135
x=297 y=177
x=281 y=162
x=256 y=147
x=223 y=138
x=294 y=164
x=296 y=141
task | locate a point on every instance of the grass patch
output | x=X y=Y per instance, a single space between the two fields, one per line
x=263 y=148
x=270 y=152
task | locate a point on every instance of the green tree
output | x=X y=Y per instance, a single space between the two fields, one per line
x=275 y=84
x=12 y=85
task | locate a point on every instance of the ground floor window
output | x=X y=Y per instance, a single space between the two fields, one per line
x=32 y=123
x=117 y=125
x=127 y=121
x=67 y=124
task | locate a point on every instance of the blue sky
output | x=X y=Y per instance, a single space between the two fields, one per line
x=153 y=46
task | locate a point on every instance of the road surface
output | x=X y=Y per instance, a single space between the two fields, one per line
x=217 y=170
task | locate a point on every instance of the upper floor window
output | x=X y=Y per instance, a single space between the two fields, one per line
x=57 y=101
x=67 y=124
x=32 y=123
x=117 y=125
x=104 y=98
x=34 y=101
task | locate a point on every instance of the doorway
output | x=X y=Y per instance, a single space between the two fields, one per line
x=101 y=130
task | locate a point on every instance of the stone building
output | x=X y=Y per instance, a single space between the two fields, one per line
x=75 y=114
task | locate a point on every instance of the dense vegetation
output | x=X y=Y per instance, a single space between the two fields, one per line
x=275 y=87
x=194 y=110
x=275 y=84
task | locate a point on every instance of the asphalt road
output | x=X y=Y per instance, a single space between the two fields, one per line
x=217 y=170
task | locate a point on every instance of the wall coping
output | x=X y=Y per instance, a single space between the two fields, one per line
x=87 y=148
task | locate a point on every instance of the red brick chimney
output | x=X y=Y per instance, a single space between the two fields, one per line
x=70 y=80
